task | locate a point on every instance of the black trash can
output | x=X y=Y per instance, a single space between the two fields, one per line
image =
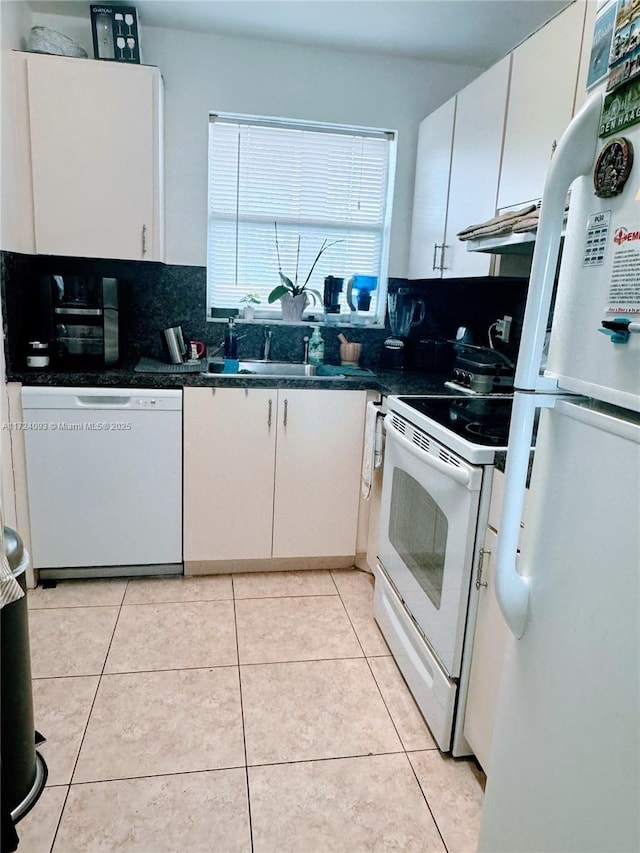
x=24 y=771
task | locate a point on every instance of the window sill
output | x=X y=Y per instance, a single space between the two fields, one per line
x=310 y=320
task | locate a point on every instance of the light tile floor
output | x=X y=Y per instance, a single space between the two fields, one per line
x=254 y=712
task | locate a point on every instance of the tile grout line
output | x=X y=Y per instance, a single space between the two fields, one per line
x=205 y=666
x=424 y=796
x=326 y=758
x=84 y=733
x=239 y=668
x=393 y=723
x=318 y=760
x=244 y=734
x=406 y=753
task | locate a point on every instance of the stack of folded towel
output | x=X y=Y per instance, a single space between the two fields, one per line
x=516 y=221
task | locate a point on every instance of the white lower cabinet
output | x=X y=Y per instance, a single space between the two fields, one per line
x=489 y=646
x=490 y=643
x=229 y=464
x=271 y=473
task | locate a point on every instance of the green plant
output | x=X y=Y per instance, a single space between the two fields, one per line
x=250 y=299
x=292 y=287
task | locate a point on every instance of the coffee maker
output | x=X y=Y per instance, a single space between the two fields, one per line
x=401 y=305
x=331 y=297
x=80 y=318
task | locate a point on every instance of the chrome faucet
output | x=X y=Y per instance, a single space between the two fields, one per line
x=266 y=353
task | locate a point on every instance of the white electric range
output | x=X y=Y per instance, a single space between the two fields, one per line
x=438 y=471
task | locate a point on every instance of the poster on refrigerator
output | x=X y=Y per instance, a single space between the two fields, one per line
x=621 y=108
x=624 y=59
x=601 y=44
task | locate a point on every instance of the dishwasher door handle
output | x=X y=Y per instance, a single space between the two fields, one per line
x=103 y=402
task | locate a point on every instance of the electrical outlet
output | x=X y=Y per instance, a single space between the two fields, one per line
x=503 y=328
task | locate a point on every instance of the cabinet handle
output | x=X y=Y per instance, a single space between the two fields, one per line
x=436 y=246
x=479 y=581
x=286 y=410
x=270 y=411
x=442 y=248
x=144 y=239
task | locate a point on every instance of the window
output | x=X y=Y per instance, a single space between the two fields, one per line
x=318 y=183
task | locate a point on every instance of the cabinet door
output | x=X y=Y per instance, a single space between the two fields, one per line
x=229 y=457
x=95 y=158
x=489 y=648
x=433 y=166
x=541 y=99
x=475 y=166
x=318 y=465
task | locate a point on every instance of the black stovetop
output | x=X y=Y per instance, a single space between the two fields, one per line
x=481 y=420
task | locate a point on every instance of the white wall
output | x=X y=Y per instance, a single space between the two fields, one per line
x=204 y=72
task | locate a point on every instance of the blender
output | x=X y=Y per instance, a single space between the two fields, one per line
x=401 y=306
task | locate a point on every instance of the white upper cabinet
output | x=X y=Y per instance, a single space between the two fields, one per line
x=544 y=81
x=475 y=166
x=433 y=165
x=457 y=169
x=96 y=156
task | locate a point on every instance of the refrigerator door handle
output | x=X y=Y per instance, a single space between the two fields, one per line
x=512 y=589
x=574 y=157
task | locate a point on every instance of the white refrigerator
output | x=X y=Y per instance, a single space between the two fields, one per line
x=565 y=760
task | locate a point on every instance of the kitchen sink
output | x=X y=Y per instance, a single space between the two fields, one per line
x=265 y=368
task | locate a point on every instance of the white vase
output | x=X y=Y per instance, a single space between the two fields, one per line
x=248 y=312
x=293 y=307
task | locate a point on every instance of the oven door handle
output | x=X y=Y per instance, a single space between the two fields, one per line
x=460 y=475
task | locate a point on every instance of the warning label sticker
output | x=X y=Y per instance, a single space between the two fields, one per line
x=624 y=288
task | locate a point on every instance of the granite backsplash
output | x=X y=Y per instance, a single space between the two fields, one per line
x=155 y=296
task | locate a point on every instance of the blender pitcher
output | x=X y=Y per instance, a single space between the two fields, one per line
x=402 y=308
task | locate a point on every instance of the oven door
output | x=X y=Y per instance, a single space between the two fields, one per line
x=428 y=521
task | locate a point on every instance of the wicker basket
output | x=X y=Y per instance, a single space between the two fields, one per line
x=45 y=40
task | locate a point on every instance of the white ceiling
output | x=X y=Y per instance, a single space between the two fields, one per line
x=469 y=32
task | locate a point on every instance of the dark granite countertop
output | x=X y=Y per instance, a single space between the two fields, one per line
x=383 y=381
x=386 y=382
x=500 y=460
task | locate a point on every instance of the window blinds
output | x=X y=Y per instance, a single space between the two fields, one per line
x=317 y=182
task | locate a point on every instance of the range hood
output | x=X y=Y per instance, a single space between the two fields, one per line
x=510 y=242
x=521 y=243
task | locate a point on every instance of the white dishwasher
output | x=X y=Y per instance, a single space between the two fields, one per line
x=104 y=476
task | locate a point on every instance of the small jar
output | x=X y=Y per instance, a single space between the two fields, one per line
x=37 y=354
